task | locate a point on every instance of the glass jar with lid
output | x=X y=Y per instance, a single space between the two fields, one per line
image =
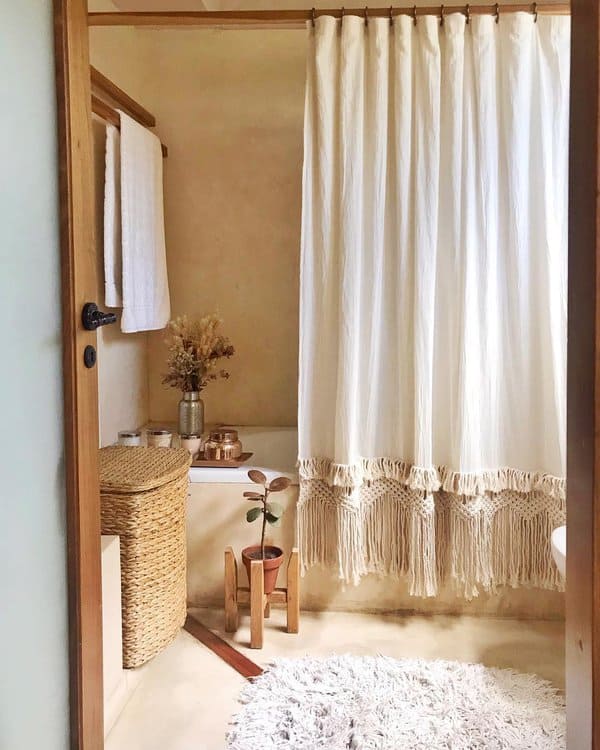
x=159 y=438
x=223 y=445
x=130 y=437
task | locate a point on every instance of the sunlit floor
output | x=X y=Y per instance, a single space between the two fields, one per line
x=187 y=695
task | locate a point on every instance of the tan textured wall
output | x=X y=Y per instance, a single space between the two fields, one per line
x=230 y=106
x=122 y=358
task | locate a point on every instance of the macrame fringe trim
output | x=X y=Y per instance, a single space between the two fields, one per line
x=432 y=479
x=472 y=544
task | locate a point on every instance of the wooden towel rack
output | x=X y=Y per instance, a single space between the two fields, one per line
x=104 y=86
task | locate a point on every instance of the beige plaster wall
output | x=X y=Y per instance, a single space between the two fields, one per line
x=229 y=105
x=122 y=358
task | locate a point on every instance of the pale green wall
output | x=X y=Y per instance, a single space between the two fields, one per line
x=33 y=609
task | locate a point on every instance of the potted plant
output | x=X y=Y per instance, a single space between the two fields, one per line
x=195 y=348
x=270 y=513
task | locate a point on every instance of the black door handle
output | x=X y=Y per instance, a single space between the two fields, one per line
x=93 y=318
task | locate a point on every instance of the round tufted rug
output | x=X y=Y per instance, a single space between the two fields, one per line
x=377 y=703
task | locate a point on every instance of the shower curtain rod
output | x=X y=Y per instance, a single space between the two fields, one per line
x=297 y=18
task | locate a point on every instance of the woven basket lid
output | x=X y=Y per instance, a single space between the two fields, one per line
x=136 y=469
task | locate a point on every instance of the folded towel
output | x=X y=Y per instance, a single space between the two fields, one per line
x=145 y=287
x=112 y=219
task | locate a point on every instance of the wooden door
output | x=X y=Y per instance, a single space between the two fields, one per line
x=80 y=381
x=583 y=391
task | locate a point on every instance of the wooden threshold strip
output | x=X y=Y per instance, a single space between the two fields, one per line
x=222 y=649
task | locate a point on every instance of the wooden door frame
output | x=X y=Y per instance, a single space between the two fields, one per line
x=81 y=397
x=583 y=388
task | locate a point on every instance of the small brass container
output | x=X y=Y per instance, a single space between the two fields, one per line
x=223 y=445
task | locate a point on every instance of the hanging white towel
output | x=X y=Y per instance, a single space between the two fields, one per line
x=146 y=304
x=112 y=219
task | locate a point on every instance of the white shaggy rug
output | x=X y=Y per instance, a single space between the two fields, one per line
x=377 y=703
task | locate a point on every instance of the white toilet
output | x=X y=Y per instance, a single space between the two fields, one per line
x=559 y=549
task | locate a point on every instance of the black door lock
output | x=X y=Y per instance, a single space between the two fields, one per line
x=89 y=356
x=93 y=318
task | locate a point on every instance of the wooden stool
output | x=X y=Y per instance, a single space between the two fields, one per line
x=260 y=603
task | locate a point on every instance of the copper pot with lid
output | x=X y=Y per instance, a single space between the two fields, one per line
x=223 y=445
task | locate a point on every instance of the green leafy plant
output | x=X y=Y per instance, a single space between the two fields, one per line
x=271 y=512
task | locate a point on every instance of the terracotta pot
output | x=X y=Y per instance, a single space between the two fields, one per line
x=270 y=566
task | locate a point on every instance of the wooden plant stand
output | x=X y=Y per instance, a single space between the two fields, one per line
x=260 y=603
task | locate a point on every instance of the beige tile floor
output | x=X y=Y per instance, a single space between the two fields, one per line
x=187 y=695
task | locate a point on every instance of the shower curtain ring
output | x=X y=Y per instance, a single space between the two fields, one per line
x=468 y=14
x=497 y=14
x=442 y=11
x=391 y=16
x=366 y=16
x=535 y=14
x=415 y=15
x=342 y=16
x=313 y=17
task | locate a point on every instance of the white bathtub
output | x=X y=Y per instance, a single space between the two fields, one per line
x=275 y=452
x=216 y=519
x=216 y=510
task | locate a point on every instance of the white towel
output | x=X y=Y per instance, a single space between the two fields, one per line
x=146 y=304
x=112 y=219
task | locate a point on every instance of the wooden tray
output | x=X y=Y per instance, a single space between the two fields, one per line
x=229 y=464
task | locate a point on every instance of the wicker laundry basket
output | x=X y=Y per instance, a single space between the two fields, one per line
x=143 y=493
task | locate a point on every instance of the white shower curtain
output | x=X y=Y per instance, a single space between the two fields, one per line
x=433 y=299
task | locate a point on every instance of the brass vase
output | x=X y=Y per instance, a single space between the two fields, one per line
x=191 y=414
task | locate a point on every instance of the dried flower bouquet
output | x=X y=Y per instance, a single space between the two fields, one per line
x=195 y=348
